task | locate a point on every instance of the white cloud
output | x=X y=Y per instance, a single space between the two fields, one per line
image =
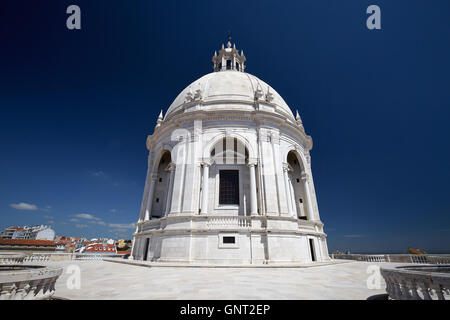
x=121 y=226
x=99 y=222
x=86 y=216
x=98 y=173
x=23 y=206
x=89 y=217
x=81 y=226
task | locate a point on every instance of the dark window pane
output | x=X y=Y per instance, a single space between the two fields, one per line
x=228 y=239
x=229 y=187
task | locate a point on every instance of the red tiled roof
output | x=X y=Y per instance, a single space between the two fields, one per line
x=15 y=228
x=25 y=242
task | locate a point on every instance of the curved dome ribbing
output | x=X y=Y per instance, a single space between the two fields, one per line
x=232 y=87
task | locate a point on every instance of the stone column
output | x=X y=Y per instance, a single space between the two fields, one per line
x=293 y=200
x=309 y=207
x=170 y=189
x=133 y=248
x=287 y=188
x=205 y=188
x=253 y=198
x=148 y=209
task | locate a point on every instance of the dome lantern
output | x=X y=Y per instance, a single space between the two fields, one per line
x=229 y=58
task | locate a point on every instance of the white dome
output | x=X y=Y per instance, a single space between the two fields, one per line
x=233 y=90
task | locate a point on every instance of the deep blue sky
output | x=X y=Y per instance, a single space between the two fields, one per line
x=77 y=106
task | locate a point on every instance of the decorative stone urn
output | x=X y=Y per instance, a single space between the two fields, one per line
x=426 y=282
x=20 y=282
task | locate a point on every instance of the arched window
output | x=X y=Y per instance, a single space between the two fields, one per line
x=162 y=184
x=295 y=186
x=229 y=154
x=229 y=151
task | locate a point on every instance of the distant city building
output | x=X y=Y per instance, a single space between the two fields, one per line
x=27 y=245
x=101 y=245
x=69 y=244
x=99 y=248
x=29 y=233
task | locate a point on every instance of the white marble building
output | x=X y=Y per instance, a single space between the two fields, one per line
x=229 y=176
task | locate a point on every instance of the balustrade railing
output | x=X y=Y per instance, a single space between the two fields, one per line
x=21 y=282
x=438 y=259
x=418 y=282
x=37 y=257
x=11 y=258
x=95 y=257
x=403 y=258
x=46 y=257
x=419 y=259
x=374 y=258
x=231 y=222
x=362 y=257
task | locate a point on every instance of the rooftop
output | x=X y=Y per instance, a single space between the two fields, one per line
x=109 y=280
x=27 y=242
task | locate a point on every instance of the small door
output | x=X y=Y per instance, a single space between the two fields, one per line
x=147 y=242
x=313 y=252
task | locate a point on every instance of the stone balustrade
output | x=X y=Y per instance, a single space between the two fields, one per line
x=12 y=258
x=95 y=257
x=374 y=258
x=418 y=282
x=47 y=257
x=231 y=221
x=37 y=257
x=419 y=259
x=21 y=282
x=403 y=258
x=211 y=222
x=362 y=257
x=445 y=259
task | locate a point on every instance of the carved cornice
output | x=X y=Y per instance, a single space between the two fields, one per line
x=261 y=118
